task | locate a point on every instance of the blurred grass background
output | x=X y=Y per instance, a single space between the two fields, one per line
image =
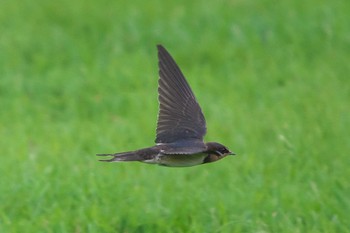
x=80 y=77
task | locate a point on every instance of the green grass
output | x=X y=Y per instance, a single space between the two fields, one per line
x=79 y=78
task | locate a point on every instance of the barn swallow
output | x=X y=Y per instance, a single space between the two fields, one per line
x=181 y=124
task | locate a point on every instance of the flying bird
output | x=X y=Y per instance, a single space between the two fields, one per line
x=181 y=125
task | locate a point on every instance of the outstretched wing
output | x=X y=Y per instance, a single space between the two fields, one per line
x=180 y=116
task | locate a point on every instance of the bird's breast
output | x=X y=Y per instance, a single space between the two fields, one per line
x=180 y=160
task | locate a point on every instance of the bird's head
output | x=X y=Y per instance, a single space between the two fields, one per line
x=217 y=151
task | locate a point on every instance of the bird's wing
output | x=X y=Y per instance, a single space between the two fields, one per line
x=180 y=116
x=184 y=147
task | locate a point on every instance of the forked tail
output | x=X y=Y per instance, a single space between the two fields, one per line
x=120 y=157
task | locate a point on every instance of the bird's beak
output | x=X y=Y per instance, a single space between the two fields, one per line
x=232 y=153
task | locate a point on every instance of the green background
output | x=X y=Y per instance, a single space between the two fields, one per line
x=79 y=78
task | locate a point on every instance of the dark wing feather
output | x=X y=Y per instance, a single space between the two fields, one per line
x=180 y=116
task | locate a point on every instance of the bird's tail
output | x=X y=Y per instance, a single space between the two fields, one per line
x=120 y=157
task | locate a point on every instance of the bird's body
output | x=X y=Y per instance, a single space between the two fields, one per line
x=173 y=154
x=154 y=155
x=181 y=125
x=180 y=160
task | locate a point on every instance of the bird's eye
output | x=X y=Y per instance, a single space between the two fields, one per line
x=225 y=151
